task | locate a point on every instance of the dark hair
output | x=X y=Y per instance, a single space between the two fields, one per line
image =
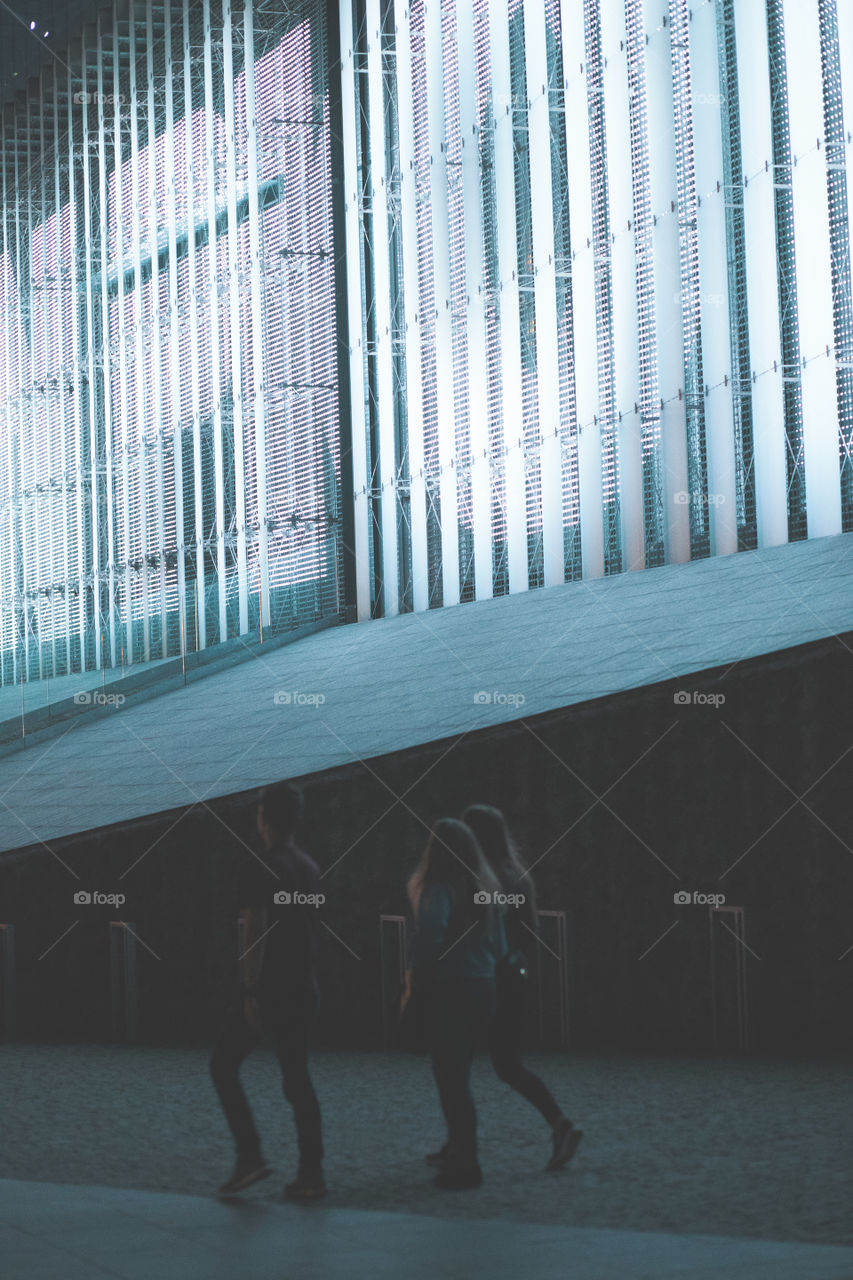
x=281 y=803
x=499 y=849
x=453 y=858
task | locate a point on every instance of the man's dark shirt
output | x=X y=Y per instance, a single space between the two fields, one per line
x=289 y=959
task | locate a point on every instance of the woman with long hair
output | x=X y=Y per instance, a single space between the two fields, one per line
x=506 y=1029
x=455 y=945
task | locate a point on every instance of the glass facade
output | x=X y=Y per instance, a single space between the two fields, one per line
x=321 y=309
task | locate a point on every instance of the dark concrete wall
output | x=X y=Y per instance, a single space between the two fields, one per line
x=695 y=787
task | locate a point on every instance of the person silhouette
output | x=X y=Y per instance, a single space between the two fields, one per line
x=506 y=1030
x=279 y=899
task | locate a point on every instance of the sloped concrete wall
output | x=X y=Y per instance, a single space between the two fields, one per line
x=620 y=803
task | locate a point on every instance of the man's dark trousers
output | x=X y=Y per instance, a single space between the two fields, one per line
x=286 y=1022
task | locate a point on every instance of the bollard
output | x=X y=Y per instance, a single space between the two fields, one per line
x=8 y=1005
x=392 y=964
x=123 y=980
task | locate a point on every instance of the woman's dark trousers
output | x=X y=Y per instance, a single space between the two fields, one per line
x=461 y=1010
x=506 y=1032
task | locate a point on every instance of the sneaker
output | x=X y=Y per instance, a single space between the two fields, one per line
x=247 y=1170
x=459 y=1177
x=566 y=1141
x=306 y=1186
x=439 y=1157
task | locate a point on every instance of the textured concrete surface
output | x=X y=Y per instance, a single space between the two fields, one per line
x=81 y=1233
x=355 y=692
x=741 y=1149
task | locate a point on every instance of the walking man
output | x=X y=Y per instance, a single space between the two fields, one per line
x=279 y=898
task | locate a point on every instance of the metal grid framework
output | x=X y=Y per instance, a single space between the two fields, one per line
x=513 y=395
x=578 y=299
x=169 y=392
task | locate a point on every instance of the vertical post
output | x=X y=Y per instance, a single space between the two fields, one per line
x=200 y=593
x=123 y=981
x=389 y=986
x=8 y=986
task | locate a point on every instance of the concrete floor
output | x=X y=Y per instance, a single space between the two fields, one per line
x=49 y=1231
x=688 y=1168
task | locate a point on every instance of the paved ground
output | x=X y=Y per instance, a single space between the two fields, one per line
x=755 y=1149
x=82 y=1233
x=348 y=693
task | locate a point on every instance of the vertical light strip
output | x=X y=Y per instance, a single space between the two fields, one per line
x=530 y=441
x=409 y=239
x=452 y=73
x=583 y=292
x=643 y=238
x=136 y=434
x=840 y=215
x=507 y=304
x=79 y=161
x=713 y=297
x=691 y=304
x=376 y=179
x=667 y=282
x=475 y=301
x=562 y=200
x=615 y=86
x=446 y=416
x=357 y=379
x=811 y=229
x=215 y=349
x=256 y=289
x=164 y=498
x=199 y=610
x=544 y=291
x=175 y=425
x=101 y=438
x=601 y=246
x=236 y=369
x=781 y=162
x=837 y=177
x=732 y=195
x=759 y=266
